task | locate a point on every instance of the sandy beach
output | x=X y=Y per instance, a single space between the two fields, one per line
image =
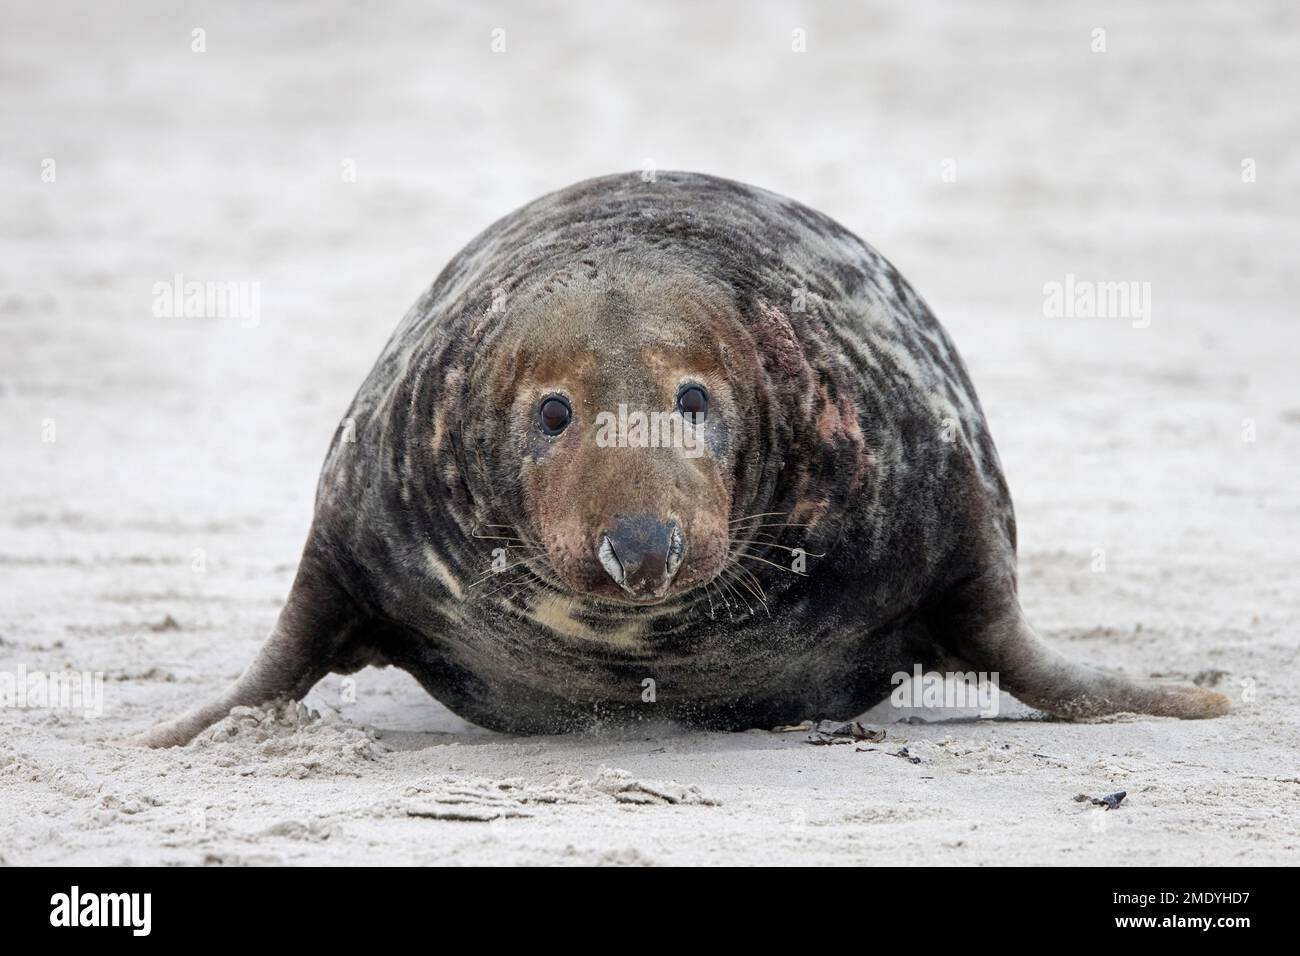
x=159 y=470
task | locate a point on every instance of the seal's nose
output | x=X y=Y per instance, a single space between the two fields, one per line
x=642 y=553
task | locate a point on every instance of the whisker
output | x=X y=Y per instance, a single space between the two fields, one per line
x=526 y=582
x=499 y=537
x=527 y=588
x=511 y=583
x=753 y=578
x=741 y=582
x=514 y=535
x=493 y=571
x=765 y=514
x=723 y=599
x=754 y=557
x=730 y=587
x=773 y=544
x=735 y=568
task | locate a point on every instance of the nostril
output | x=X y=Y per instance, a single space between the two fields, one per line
x=609 y=558
x=676 y=548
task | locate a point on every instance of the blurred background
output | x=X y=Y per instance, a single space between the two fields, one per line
x=158 y=472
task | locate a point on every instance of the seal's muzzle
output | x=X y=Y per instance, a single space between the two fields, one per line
x=642 y=554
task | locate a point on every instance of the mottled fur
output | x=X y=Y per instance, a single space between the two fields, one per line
x=842 y=411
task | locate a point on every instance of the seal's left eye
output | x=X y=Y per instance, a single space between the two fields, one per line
x=693 y=400
x=555 y=415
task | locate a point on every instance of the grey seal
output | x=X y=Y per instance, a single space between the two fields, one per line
x=680 y=448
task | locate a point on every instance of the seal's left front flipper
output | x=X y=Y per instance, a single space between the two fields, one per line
x=988 y=629
x=318 y=630
x=1048 y=680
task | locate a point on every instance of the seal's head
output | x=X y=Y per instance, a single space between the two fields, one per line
x=615 y=416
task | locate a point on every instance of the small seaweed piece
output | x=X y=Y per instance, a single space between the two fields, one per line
x=837 y=732
x=1111 y=801
x=906 y=756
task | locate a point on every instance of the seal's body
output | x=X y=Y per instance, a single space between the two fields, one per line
x=815 y=505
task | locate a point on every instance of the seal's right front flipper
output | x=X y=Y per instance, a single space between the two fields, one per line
x=316 y=629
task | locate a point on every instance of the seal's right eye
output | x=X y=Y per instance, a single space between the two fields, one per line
x=555 y=415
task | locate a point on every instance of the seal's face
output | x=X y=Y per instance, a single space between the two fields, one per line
x=623 y=415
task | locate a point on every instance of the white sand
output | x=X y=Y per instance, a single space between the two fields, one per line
x=180 y=434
